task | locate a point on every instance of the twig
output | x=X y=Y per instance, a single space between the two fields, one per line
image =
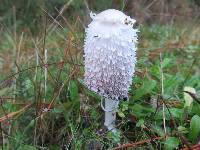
x=128 y=145
x=195 y=147
x=14 y=113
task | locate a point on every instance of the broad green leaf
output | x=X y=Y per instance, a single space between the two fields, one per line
x=170 y=83
x=146 y=88
x=141 y=111
x=159 y=115
x=171 y=143
x=195 y=109
x=177 y=113
x=188 y=99
x=194 y=127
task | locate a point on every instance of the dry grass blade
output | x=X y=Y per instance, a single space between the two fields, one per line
x=15 y=113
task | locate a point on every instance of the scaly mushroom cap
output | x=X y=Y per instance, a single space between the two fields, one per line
x=109 y=52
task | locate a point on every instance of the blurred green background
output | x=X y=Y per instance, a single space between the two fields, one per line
x=28 y=14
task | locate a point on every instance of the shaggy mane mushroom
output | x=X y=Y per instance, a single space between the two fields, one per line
x=110 y=58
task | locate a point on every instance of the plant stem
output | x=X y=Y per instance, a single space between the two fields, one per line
x=162 y=92
x=110 y=113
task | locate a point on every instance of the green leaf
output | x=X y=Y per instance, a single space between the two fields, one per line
x=170 y=83
x=155 y=71
x=141 y=111
x=140 y=123
x=188 y=99
x=195 y=109
x=177 y=113
x=120 y=113
x=115 y=136
x=28 y=84
x=166 y=62
x=124 y=106
x=171 y=143
x=73 y=89
x=194 y=127
x=182 y=129
x=157 y=129
x=27 y=147
x=159 y=115
x=147 y=87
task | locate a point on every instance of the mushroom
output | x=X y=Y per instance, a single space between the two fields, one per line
x=110 y=58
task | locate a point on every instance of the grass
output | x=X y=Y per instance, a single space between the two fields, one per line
x=44 y=104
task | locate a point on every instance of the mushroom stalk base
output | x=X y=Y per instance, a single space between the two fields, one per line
x=110 y=114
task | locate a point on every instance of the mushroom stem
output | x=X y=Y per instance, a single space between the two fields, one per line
x=110 y=113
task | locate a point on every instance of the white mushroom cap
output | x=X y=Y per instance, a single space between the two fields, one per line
x=112 y=16
x=110 y=49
